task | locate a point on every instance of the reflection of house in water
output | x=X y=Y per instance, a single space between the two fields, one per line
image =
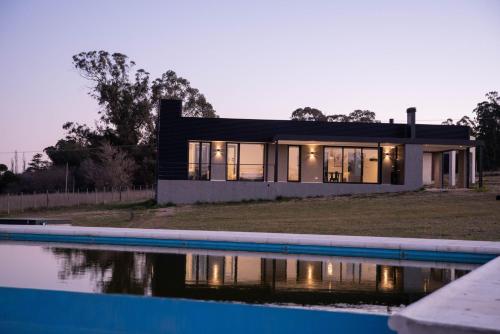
x=316 y=275
x=253 y=279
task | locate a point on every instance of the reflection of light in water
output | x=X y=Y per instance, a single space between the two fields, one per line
x=309 y=274
x=215 y=273
x=329 y=269
x=386 y=282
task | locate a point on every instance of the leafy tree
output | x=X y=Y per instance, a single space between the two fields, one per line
x=8 y=180
x=488 y=129
x=37 y=163
x=464 y=121
x=308 y=114
x=128 y=97
x=312 y=114
x=3 y=168
x=362 y=116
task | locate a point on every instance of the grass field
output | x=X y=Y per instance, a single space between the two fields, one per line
x=452 y=214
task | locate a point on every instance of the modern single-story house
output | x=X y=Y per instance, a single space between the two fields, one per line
x=221 y=159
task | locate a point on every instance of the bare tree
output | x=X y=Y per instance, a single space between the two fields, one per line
x=111 y=167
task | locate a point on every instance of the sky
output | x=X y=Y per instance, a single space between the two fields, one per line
x=251 y=59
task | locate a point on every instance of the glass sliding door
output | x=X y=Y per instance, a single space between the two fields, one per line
x=251 y=162
x=199 y=161
x=370 y=165
x=332 y=164
x=205 y=161
x=232 y=162
x=194 y=158
x=352 y=165
x=294 y=163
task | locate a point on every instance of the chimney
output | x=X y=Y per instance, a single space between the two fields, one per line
x=170 y=108
x=391 y=120
x=410 y=120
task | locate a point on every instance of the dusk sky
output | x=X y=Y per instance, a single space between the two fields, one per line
x=251 y=59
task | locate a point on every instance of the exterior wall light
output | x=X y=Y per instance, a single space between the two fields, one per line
x=218 y=152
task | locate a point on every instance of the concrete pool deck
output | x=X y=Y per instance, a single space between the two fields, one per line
x=433 y=245
x=469 y=305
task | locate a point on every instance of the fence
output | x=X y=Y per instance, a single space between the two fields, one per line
x=21 y=202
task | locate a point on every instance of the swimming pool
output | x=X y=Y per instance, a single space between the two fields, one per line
x=374 y=285
x=123 y=280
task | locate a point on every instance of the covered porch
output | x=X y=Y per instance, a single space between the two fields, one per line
x=451 y=166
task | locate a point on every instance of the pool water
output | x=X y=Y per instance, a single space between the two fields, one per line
x=257 y=278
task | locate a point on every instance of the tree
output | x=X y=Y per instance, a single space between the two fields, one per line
x=3 y=168
x=312 y=114
x=111 y=167
x=308 y=114
x=128 y=98
x=488 y=129
x=362 y=116
x=37 y=164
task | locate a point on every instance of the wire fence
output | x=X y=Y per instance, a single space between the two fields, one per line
x=11 y=203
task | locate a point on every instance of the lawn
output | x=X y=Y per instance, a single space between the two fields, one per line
x=423 y=214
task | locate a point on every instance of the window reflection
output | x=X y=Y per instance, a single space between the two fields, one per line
x=249 y=278
x=350 y=165
x=232 y=162
x=293 y=163
x=199 y=161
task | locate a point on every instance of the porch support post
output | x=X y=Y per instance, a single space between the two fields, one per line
x=452 y=156
x=276 y=161
x=479 y=152
x=266 y=162
x=467 y=168
x=437 y=166
x=380 y=155
x=442 y=171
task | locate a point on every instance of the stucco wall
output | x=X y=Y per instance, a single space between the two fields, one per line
x=413 y=156
x=312 y=163
x=185 y=191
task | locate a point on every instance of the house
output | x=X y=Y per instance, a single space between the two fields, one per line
x=221 y=159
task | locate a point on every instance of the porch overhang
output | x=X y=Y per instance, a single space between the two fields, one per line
x=371 y=141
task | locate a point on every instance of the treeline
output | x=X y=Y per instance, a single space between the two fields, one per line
x=120 y=150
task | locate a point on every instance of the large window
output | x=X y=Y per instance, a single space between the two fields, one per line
x=245 y=162
x=332 y=164
x=232 y=162
x=370 y=165
x=199 y=161
x=350 y=165
x=251 y=166
x=294 y=163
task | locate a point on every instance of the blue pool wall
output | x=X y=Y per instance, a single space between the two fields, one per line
x=381 y=253
x=46 y=311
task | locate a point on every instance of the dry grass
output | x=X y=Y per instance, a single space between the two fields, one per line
x=453 y=215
